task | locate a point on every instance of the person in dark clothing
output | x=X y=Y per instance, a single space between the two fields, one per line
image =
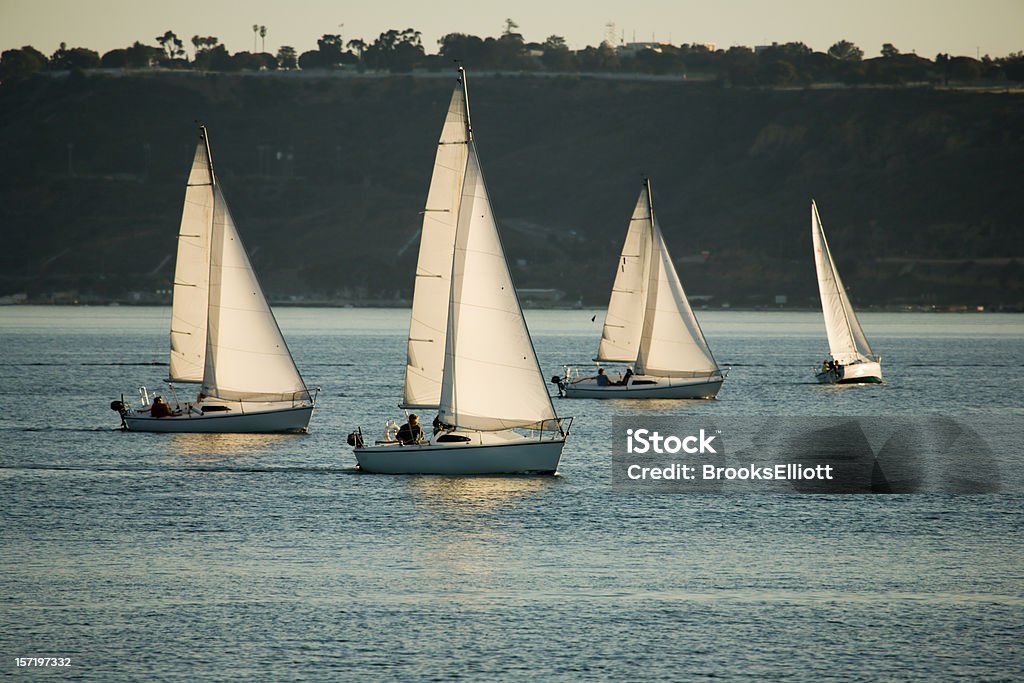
x=625 y=377
x=602 y=379
x=410 y=432
x=160 y=408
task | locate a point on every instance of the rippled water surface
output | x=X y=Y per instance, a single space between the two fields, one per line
x=231 y=557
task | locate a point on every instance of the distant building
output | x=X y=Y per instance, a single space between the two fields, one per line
x=632 y=48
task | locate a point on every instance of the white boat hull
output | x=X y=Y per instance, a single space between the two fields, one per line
x=855 y=373
x=262 y=422
x=487 y=453
x=663 y=387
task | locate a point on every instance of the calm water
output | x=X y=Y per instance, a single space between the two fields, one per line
x=163 y=557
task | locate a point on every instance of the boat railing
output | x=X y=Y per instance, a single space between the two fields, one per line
x=551 y=427
x=706 y=374
x=573 y=374
x=301 y=398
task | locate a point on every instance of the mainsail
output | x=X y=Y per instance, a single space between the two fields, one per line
x=846 y=340
x=649 y=319
x=192 y=272
x=624 y=322
x=247 y=358
x=491 y=378
x=425 y=347
x=672 y=344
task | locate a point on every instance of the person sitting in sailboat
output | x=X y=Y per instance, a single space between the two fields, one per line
x=410 y=432
x=602 y=379
x=160 y=408
x=625 y=378
x=833 y=365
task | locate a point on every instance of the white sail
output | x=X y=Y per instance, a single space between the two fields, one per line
x=672 y=344
x=491 y=379
x=846 y=340
x=192 y=273
x=246 y=355
x=425 y=346
x=624 y=322
x=649 y=319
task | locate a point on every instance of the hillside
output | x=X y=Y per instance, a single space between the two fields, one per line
x=919 y=189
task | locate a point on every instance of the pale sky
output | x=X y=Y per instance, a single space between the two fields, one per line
x=927 y=27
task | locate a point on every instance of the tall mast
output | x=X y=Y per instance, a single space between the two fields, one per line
x=209 y=253
x=650 y=200
x=465 y=95
x=209 y=157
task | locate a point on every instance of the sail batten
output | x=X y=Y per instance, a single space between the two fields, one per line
x=650 y=321
x=192 y=273
x=673 y=344
x=623 y=324
x=247 y=358
x=491 y=378
x=425 y=361
x=846 y=340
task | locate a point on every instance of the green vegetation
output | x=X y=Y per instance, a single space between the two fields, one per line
x=402 y=51
x=918 y=188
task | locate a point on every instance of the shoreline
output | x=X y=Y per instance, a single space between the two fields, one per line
x=528 y=306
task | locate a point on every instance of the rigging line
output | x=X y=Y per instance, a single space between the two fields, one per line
x=488 y=361
x=282 y=352
x=261 y=311
x=487 y=308
x=439 y=330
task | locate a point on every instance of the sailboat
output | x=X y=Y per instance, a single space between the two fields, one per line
x=224 y=337
x=852 y=360
x=649 y=324
x=469 y=352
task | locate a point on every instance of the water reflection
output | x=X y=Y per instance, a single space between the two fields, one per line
x=215 y=448
x=470 y=496
x=465 y=541
x=659 y=405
